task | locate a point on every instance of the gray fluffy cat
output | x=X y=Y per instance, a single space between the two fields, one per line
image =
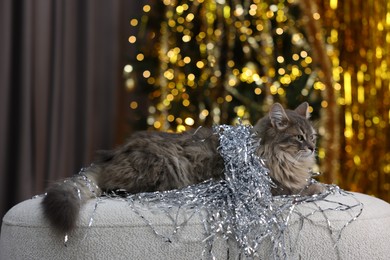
x=157 y=161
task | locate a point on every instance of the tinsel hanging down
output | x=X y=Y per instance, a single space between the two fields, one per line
x=240 y=208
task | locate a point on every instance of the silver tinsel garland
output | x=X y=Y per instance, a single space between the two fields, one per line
x=240 y=208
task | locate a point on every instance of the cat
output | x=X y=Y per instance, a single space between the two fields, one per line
x=158 y=161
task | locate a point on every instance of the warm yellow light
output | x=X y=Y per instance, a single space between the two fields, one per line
x=257 y=91
x=190 y=17
x=186 y=102
x=189 y=121
x=170 y=97
x=308 y=60
x=187 y=60
x=240 y=111
x=140 y=57
x=376 y=120
x=146 y=8
x=179 y=9
x=200 y=64
x=279 y=31
x=281 y=71
x=280 y=59
x=186 y=38
x=295 y=71
x=333 y=4
x=232 y=82
x=361 y=94
x=357 y=160
x=157 y=124
x=146 y=74
x=133 y=105
x=321 y=153
x=132 y=39
x=130 y=84
x=203 y=114
x=347 y=88
x=316 y=16
x=334 y=36
x=273 y=89
x=133 y=22
x=180 y=128
x=348 y=132
x=128 y=68
x=226 y=11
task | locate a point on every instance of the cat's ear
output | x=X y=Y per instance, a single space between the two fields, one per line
x=278 y=116
x=303 y=110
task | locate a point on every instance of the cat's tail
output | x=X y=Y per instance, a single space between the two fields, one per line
x=63 y=200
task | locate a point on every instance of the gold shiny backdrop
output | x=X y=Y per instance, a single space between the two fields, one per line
x=203 y=60
x=357 y=33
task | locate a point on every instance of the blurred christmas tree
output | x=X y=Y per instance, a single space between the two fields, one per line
x=210 y=62
x=205 y=62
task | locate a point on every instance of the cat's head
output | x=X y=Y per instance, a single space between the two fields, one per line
x=288 y=131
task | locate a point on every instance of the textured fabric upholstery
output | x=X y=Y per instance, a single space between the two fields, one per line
x=117 y=232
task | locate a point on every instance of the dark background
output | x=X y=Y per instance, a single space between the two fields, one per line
x=61 y=89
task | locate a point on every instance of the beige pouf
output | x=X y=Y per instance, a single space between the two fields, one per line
x=118 y=232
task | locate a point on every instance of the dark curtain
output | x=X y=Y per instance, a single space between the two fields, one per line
x=59 y=90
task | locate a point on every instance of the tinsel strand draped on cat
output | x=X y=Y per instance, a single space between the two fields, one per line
x=159 y=161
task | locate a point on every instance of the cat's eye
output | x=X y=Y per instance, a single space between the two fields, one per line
x=299 y=138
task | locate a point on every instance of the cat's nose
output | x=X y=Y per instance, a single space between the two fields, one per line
x=311 y=148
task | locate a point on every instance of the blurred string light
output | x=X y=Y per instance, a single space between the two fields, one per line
x=208 y=62
x=219 y=60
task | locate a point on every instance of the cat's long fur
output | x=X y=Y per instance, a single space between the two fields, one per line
x=157 y=161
